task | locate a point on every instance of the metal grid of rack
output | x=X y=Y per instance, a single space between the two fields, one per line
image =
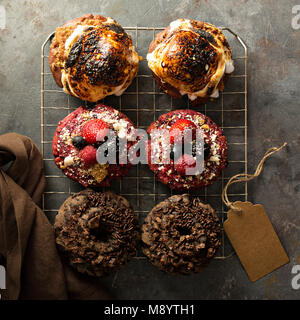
x=143 y=103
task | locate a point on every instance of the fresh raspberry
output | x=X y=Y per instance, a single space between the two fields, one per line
x=178 y=128
x=93 y=129
x=88 y=155
x=185 y=162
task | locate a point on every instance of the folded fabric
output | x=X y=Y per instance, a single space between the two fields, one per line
x=34 y=269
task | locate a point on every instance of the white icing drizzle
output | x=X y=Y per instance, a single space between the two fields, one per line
x=229 y=66
x=75 y=35
x=180 y=23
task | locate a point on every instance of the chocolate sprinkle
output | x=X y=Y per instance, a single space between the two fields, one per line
x=181 y=235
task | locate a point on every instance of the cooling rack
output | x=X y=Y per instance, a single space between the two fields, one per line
x=143 y=103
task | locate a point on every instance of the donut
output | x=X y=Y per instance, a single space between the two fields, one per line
x=190 y=58
x=181 y=235
x=92 y=57
x=174 y=172
x=75 y=144
x=97 y=233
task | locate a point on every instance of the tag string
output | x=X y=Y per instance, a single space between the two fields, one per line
x=244 y=177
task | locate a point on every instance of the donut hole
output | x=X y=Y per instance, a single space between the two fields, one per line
x=183 y=231
x=101 y=233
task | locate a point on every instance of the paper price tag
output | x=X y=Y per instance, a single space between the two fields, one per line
x=254 y=240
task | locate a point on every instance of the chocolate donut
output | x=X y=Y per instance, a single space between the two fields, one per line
x=190 y=57
x=215 y=151
x=97 y=233
x=181 y=235
x=92 y=57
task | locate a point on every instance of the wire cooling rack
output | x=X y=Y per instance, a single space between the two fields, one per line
x=143 y=103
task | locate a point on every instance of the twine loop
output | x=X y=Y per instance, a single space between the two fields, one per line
x=244 y=177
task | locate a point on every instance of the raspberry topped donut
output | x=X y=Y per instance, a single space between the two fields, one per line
x=190 y=58
x=77 y=138
x=92 y=57
x=174 y=173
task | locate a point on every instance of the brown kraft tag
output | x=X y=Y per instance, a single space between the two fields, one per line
x=254 y=240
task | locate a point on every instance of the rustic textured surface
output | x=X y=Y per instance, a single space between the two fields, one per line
x=274 y=66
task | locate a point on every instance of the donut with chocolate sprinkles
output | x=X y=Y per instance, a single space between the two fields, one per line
x=181 y=235
x=97 y=233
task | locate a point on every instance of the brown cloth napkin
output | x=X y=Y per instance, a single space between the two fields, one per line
x=34 y=269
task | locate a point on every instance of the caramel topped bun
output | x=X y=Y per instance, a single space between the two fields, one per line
x=190 y=57
x=92 y=57
x=79 y=135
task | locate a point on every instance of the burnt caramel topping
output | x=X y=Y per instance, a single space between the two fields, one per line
x=205 y=35
x=102 y=59
x=192 y=60
x=188 y=57
x=116 y=28
x=74 y=53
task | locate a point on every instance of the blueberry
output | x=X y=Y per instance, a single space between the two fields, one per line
x=78 y=142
